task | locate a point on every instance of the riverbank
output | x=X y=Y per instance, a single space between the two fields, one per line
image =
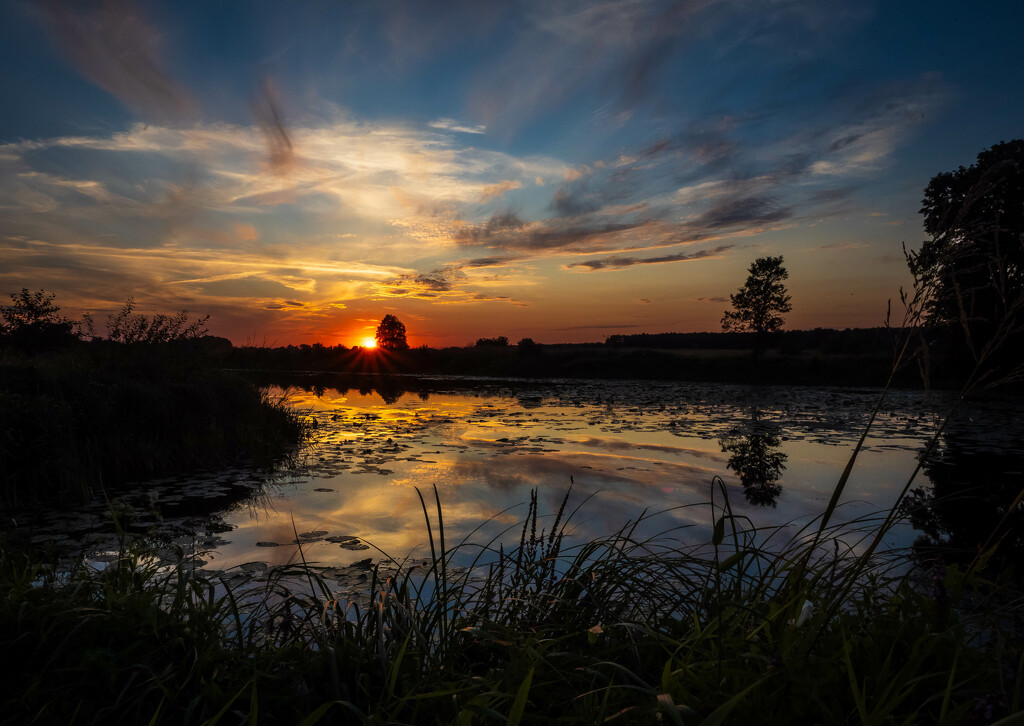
x=600 y=361
x=84 y=418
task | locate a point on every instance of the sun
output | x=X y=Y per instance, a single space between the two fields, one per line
x=369 y=342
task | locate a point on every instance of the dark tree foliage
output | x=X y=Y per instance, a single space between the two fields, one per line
x=127 y=326
x=760 y=303
x=973 y=265
x=500 y=341
x=391 y=334
x=528 y=348
x=32 y=322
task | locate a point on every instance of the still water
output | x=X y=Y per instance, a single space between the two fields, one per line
x=626 y=447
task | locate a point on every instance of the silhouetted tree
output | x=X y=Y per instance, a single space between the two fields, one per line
x=759 y=304
x=33 y=322
x=391 y=334
x=528 y=347
x=127 y=326
x=973 y=265
x=500 y=341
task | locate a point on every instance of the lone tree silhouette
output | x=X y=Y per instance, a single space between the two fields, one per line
x=759 y=304
x=973 y=265
x=391 y=334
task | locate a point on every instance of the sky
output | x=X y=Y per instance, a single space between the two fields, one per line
x=558 y=170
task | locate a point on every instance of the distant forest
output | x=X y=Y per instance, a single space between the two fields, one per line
x=851 y=341
x=805 y=357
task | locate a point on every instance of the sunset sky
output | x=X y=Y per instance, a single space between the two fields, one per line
x=552 y=169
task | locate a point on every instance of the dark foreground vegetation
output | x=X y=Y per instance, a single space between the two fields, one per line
x=754 y=627
x=79 y=416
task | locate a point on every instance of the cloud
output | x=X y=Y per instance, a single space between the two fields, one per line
x=116 y=48
x=446 y=284
x=741 y=211
x=568 y=204
x=717 y=300
x=491 y=261
x=559 y=50
x=423 y=284
x=615 y=56
x=617 y=263
x=830 y=196
x=842 y=246
x=509 y=233
x=450 y=124
x=494 y=191
x=614 y=326
x=267 y=112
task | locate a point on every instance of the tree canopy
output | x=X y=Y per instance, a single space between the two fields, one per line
x=127 y=326
x=391 y=334
x=32 y=321
x=760 y=303
x=973 y=266
x=499 y=342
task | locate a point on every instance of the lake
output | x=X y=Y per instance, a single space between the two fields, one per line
x=626 y=447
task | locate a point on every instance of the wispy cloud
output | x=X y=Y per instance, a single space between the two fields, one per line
x=493 y=191
x=115 y=47
x=617 y=263
x=450 y=124
x=619 y=51
x=842 y=246
x=267 y=111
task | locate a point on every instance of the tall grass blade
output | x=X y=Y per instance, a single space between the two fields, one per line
x=515 y=714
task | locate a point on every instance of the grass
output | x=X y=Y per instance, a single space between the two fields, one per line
x=753 y=625
x=74 y=422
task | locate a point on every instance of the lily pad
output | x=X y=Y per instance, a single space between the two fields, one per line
x=354 y=545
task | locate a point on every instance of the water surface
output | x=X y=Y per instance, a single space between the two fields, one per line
x=627 y=448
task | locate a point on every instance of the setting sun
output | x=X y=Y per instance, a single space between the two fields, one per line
x=369 y=342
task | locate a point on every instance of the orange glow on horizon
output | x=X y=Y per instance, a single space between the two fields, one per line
x=369 y=342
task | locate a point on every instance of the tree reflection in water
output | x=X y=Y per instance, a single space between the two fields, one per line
x=754 y=454
x=967 y=506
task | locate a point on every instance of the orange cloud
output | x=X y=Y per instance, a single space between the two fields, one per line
x=499 y=189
